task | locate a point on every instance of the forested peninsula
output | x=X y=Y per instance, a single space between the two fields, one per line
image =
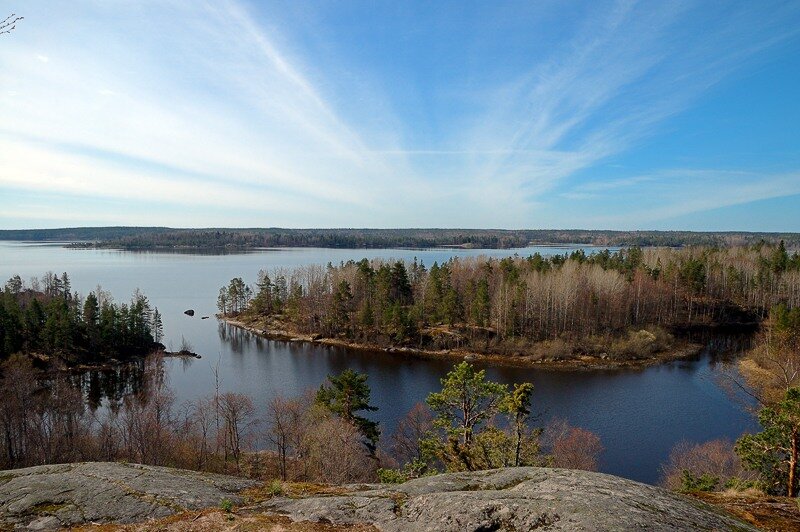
x=238 y=239
x=606 y=308
x=46 y=321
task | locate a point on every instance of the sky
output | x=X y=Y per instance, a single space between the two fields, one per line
x=681 y=115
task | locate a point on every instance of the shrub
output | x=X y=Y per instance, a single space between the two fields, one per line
x=691 y=483
x=712 y=459
x=391 y=476
x=571 y=447
x=275 y=488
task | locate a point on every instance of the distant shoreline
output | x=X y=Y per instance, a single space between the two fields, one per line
x=245 y=239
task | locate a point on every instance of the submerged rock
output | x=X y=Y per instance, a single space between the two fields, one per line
x=185 y=353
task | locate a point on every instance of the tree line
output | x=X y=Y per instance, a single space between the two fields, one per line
x=557 y=307
x=48 y=318
x=323 y=435
x=236 y=239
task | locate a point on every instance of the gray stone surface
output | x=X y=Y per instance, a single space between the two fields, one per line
x=53 y=496
x=48 y=497
x=512 y=499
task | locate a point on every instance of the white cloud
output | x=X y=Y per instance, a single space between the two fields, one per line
x=202 y=105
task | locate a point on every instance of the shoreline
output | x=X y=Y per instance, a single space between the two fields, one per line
x=583 y=362
x=56 y=365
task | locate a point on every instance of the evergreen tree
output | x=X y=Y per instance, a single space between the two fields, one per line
x=157 y=326
x=434 y=293
x=14 y=285
x=66 y=287
x=773 y=453
x=400 y=285
x=262 y=302
x=466 y=401
x=223 y=304
x=366 y=319
x=780 y=258
x=340 y=312
x=347 y=395
x=517 y=405
x=33 y=325
x=10 y=325
x=91 y=320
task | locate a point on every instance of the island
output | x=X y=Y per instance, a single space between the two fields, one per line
x=633 y=306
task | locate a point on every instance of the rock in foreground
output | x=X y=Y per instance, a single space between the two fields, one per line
x=503 y=499
x=54 y=496
x=526 y=498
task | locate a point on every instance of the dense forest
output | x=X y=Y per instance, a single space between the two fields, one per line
x=618 y=304
x=47 y=318
x=73 y=234
x=143 y=238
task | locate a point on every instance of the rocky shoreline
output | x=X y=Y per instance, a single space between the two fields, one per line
x=686 y=350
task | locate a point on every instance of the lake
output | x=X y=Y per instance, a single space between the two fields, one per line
x=638 y=413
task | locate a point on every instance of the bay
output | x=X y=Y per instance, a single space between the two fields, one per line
x=638 y=413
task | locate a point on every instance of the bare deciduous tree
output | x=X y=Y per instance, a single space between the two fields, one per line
x=237 y=413
x=572 y=447
x=333 y=452
x=716 y=458
x=405 y=442
x=284 y=429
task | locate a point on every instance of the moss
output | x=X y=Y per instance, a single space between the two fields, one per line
x=399 y=500
x=47 y=508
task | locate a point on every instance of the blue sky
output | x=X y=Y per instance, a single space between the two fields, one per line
x=535 y=114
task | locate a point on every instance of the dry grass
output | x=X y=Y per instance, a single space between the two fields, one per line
x=217 y=520
x=294 y=490
x=765 y=512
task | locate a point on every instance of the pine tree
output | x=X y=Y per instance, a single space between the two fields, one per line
x=347 y=395
x=91 y=320
x=517 y=405
x=157 y=326
x=467 y=399
x=774 y=452
x=342 y=302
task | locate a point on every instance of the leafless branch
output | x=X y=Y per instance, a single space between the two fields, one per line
x=9 y=23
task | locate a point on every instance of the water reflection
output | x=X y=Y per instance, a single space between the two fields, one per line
x=111 y=384
x=238 y=339
x=638 y=412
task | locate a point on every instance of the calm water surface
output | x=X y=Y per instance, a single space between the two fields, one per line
x=639 y=414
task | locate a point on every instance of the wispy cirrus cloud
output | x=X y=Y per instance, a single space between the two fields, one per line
x=223 y=116
x=644 y=201
x=624 y=70
x=219 y=111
